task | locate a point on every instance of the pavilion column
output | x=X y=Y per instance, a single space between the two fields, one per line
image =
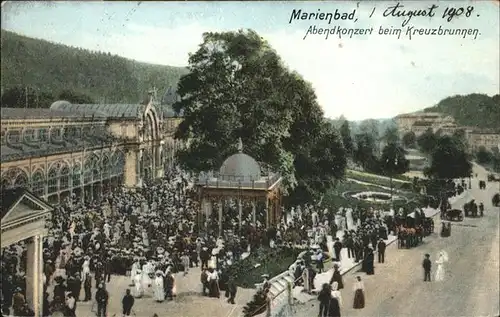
x=207 y=207
x=139 y=166
x=240 y=213
x=34 y=274
x=254 y=216
x=267 y=212
x=220 y=217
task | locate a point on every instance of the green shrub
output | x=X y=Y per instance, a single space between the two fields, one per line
x=272 y=262
x=257 y=305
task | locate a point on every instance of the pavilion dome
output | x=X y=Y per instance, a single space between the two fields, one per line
x=240 y=167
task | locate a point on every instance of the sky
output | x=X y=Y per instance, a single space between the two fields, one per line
x=364 y=76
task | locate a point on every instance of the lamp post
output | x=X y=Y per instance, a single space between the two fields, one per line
x=391 y=171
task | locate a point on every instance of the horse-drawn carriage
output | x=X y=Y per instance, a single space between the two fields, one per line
x=493 y=178
x=496 y=200
x=471 y=209
x=409 y=237
x=482 y=185
x=445 y=229
x=412 y=229
x=453 y=214
x=428 y=224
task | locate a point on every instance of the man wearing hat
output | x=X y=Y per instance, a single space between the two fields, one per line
x=169 y=284
x=266 y=284
x=127 y=303
x=87 y=287
x=204 y=256
x=231 y=290
x=59 y=288
x=204 y=282
x=18 y=301
x=71 y=284
x=108 y=268
x=337 y=247
x=381 y=250
x=99 y=272
x=426 y=264
x=101 y=297
x=70 y=305
x=337 y=277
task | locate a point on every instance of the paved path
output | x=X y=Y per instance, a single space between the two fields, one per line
x=471 y=287
x=189 y=302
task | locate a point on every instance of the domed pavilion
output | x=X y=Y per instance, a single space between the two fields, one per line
x=240 y=180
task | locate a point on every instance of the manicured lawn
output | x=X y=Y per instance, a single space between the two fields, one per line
x=379 y=180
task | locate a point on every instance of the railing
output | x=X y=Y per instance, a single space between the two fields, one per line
x=284 y=304
x=231 y=181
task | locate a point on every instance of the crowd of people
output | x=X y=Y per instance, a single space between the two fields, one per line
x=154 y=232
x=360 y=241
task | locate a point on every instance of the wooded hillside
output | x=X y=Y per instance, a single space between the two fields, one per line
x=49 y=68
x=471 y=110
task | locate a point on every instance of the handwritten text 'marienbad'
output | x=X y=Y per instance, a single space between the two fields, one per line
x=323 y=16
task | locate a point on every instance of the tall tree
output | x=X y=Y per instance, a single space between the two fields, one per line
x=460 y=136
x=427 y=141
x=337 y=122
x=448 y=160
x=371 y=127
x=364 y=153
x=26 y=97
x=483 y=156
x=237 y=87
x=409 y=139
x=391 y=135
x=345 y=132
x=393 y=160
x=76 y=98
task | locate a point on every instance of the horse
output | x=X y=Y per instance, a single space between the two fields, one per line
x=407 y=237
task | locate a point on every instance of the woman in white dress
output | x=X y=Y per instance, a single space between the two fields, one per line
x=336 y=293
x=138 y=287
x=133 y=271
x=146 y=280
x=85 y=267
x=159 y=294
x=440 y=266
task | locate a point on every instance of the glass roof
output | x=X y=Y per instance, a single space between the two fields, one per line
x=107 y=110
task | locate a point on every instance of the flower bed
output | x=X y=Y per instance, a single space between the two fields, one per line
x=373 y=197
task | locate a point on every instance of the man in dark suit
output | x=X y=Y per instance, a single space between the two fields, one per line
x=231 y=289
x=381 y=251
x=427 y=268
x=337 y=247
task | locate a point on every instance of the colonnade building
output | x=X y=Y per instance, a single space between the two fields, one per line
x=85 y=149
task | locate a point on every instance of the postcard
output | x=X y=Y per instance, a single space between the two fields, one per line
x=250 y=158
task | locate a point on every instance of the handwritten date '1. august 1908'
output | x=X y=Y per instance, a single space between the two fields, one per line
x=397 y=10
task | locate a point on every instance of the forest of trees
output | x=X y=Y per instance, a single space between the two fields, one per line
x=478 y=110
x=49 y=70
